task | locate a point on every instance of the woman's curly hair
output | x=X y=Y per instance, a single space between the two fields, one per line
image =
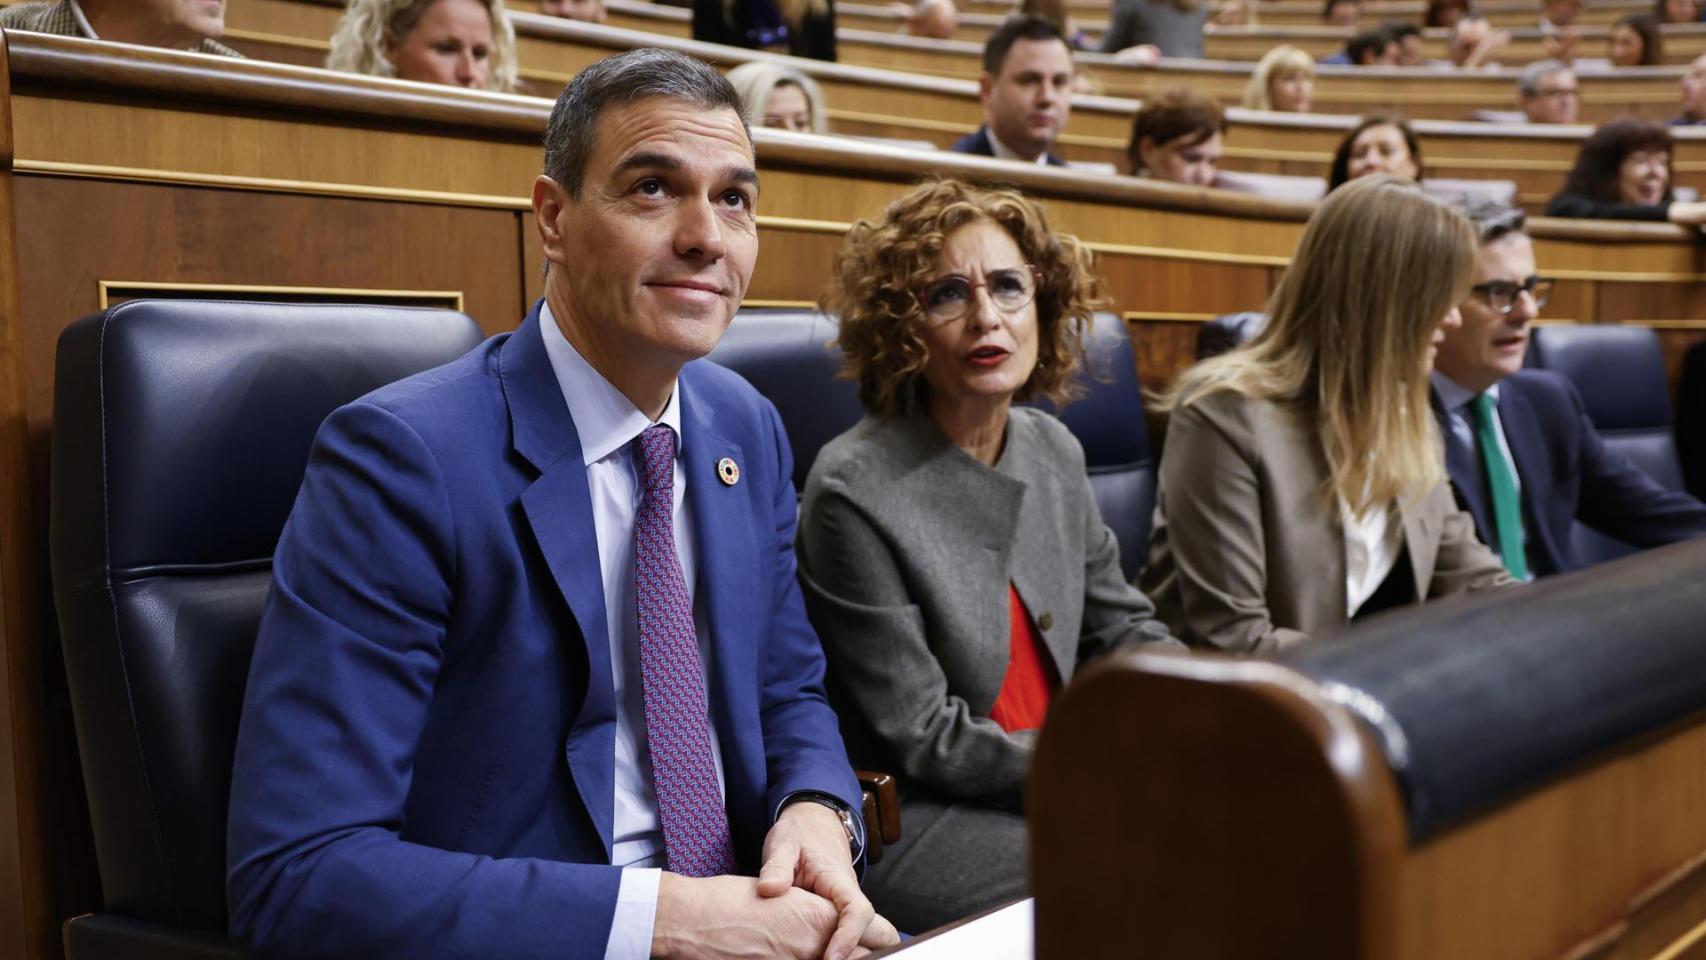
x=883 y=264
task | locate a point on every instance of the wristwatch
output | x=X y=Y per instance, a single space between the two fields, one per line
x=854 y=847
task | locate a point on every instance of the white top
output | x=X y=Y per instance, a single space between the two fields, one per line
x=607 y=422
x=1371 y=551
x=1004 y=153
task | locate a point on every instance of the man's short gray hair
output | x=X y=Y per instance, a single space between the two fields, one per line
x=572 y=134
x=1535 y=74
x=1495 y=221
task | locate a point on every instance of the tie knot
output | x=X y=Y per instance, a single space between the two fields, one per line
x=1483 y=405
x=656 y=449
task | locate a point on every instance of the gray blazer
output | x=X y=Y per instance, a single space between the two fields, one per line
x=1247 y=555
x=1177 y=32
x=907 y=544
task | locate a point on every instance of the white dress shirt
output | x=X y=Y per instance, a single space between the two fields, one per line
x=1371 y=551
x=607 y=422
x=1002 y=152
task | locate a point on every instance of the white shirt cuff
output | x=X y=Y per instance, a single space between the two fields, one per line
x=636 y=915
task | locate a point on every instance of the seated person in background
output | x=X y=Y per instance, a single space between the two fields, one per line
x=1173 y=27
x=459 y=43
x=1177 y=137
x=1623 y=172
x=1233 y=13
x=1284 y=81
x=1676 y=11
x=194 y=25
x=1341 y=13
x=1524 y=459
x=1635 y=41
x=1548 y=92
x=1409 y=39
x=1301 y=486
x=586 y=11
x=1473 y=42
x=522 y=648
x=1026 y=89
x=803 y=28
x=1379 y=143
x=774 y=95
x=934 y=19
x=1445 y=13
x=951 y=552
x=1555 y=15
x=1055 y=12
x=1693 y=94
x=1371 y=48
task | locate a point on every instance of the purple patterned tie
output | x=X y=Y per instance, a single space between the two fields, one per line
x=690 y=804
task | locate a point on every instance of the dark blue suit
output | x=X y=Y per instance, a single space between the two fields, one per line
x=978 y=144
x=426 y=760
x=1567 y=474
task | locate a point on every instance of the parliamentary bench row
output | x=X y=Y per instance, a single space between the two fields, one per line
x=140 y=173
x=1307 y=13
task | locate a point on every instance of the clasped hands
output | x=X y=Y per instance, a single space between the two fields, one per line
x=805 y=904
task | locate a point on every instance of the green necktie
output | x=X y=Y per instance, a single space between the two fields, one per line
x=1501 y=483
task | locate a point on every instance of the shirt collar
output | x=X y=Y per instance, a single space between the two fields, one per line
x=1001 y=150
x=82 y=20
x=605 y=420
x=1455 y=396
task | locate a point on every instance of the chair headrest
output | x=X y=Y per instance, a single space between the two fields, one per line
x=1619 y=371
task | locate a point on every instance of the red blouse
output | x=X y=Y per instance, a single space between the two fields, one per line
x=1031 y=676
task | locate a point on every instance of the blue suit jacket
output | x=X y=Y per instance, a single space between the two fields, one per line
x=426 y=760
x=1567 y=475
x=978 y=144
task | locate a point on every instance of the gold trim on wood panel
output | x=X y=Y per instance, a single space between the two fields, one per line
x=1667 y=324
x=267 y=184
x=782 y=304
x=801 y=225
x=1156 y=316
x=1208 y=256
x=910 y=123
x=279 y=39
x=1680 y=945
x=1603 y=276
x=127 y=288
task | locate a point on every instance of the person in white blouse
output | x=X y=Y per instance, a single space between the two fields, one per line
x=1302 y=484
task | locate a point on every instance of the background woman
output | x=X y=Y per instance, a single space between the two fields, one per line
x=1302 y=483
x=1284 y=80
x=952 y=556
x=461 y=43
x=777 y=96
x=1635 y=41
x=1177 y=137
x=1380 y=143
x=1623 y=172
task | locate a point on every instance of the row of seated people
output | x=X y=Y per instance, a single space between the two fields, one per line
x=539 y=675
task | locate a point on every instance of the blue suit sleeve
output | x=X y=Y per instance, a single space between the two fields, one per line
x=340 y=686
x=802 y=737
x=1621 y=500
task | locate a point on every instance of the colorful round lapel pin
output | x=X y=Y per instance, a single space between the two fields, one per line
x=728 y=471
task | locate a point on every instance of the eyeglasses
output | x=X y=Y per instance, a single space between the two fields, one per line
x=1501 y=294
x=951 y=298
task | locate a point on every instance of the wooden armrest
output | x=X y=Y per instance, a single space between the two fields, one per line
x=881 y=787
x=873 y=833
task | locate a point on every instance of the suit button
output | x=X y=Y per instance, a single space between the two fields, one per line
x=1045 y=621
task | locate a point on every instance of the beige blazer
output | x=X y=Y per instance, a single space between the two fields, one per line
x=1246 y=555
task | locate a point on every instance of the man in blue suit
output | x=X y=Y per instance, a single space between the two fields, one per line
x=1523 y=457
x=535 y=678
x=1026 y=89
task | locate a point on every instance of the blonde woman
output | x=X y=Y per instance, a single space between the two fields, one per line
x=459 y=43
x=773 y=95
x=1302 y=485
x=1284 y=81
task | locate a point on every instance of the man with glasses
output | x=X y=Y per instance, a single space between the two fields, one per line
x=1523 y=457
x=1548 y=92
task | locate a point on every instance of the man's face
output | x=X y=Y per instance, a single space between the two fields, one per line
x=1410 y=51
x=1345 y=13
x=1557 y=100
x=588 y=11
x=654 y=257
x=938 y=21
x=1193 y=166
x=1694 y=89
x=204 y=19
x=1466 y=35
x=1562 y=13
x=1488 y=346
x=1027 y=105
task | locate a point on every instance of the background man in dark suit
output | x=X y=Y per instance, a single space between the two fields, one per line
x=1026 y=88
x=1522 y=455
x=535 y=679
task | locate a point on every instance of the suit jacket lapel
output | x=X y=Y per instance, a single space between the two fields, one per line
x=558 y=507
x=1463 y=465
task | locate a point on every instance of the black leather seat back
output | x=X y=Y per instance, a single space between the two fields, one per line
x=181 y=432
x=788 y=355
x=1479 y=701
x=1221 y=334
x=1620 y=373
x=1691 y=419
